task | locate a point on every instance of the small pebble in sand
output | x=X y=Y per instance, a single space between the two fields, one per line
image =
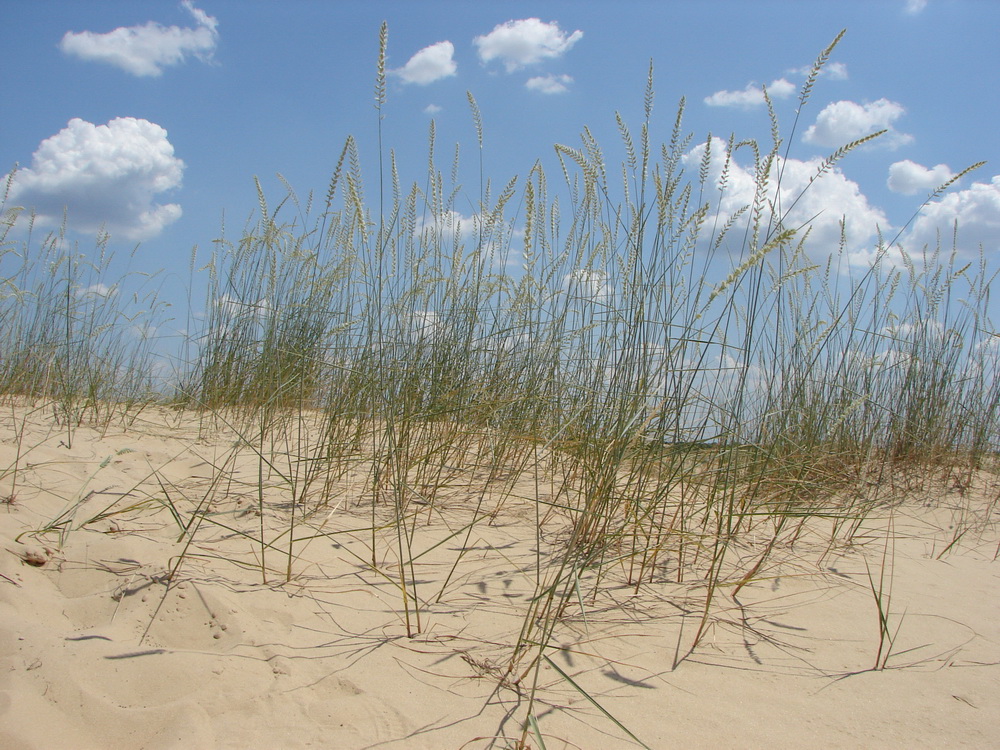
x=35 y=556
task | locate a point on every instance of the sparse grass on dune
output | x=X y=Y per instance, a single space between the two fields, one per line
x=659 y=426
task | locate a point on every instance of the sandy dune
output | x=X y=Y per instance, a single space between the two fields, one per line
x=107 y=641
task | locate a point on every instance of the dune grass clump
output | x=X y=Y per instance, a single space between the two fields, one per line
x=680 y=379
x=69 y=334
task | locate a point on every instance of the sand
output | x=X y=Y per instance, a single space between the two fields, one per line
x=106 y=642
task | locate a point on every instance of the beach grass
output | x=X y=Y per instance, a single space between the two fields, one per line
x=687 y=390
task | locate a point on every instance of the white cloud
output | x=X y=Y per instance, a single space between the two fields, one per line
x=424 y=325
x=447 y=227
x=233 y=307
x=835 y=71
x=103 y=175
x=976 y=210
x=525 y=42
x=146 y=50
x=588 y=284
x=432 y=109
x=752 y=95
x=824 y=203
x=483 y=232
x=909 y=178
x=98 y=290
x=549 y=84
x=429 y=64
x=913 y=7
x=842 y=122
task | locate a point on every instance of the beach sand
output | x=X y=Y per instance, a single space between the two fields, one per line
x=134 y=612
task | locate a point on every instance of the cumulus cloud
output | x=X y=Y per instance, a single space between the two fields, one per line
x=842 y=122
x=429 y=64
x=103 y=175
x=913 y=7
x=908 y=177
x=976 y=212
x=752 y=95
x=432 y=109
x=549 y=84
x=824 y=205
x=146 y=50
x=525 y=42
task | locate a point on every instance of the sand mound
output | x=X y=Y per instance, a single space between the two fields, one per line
x=146 y=601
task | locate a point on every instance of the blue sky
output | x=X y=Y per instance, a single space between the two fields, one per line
x=152 y=118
